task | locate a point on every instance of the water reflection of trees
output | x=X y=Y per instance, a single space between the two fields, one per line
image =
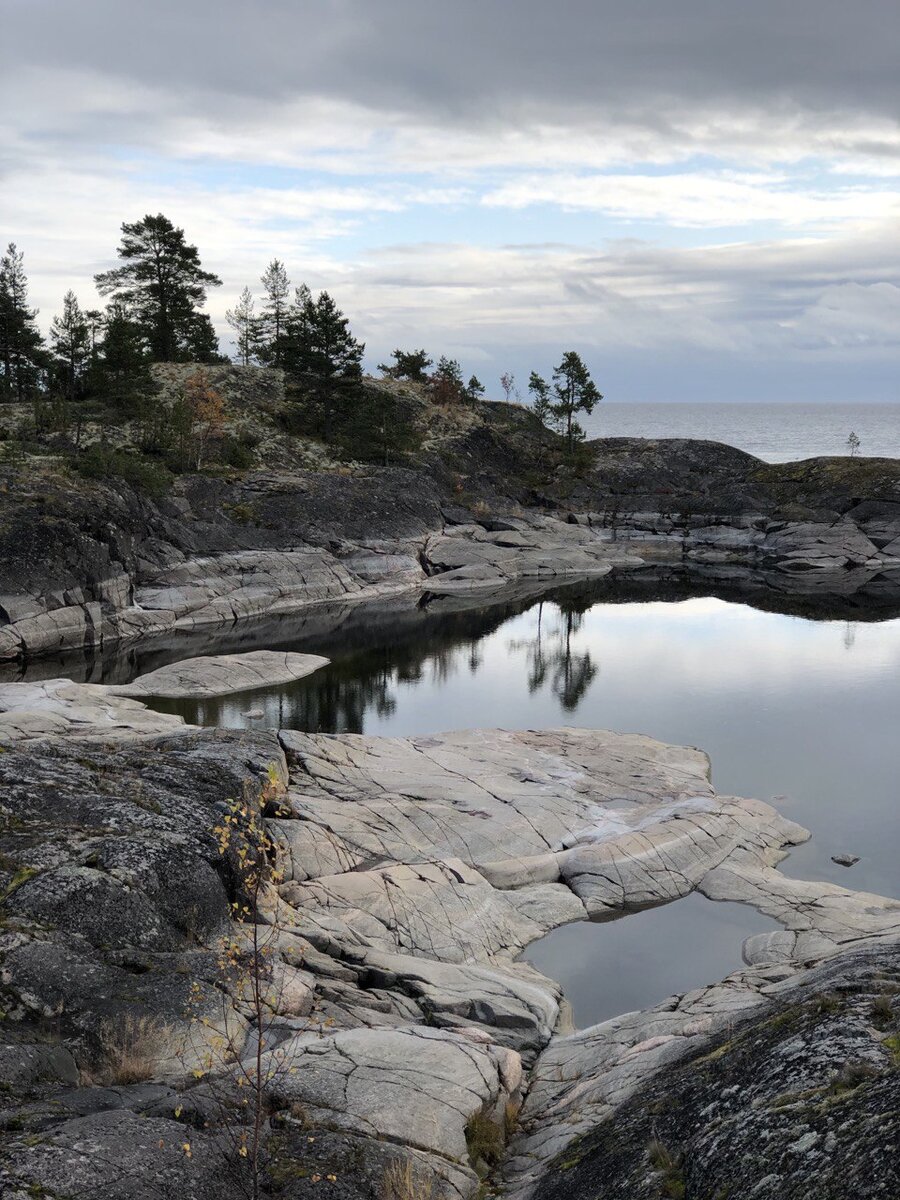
x=338 y=698
x=552 y=659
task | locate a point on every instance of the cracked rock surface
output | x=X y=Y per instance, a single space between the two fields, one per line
x=412 y=874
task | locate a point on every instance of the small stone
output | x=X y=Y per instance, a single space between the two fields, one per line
x=254 y=714
x=845 y=860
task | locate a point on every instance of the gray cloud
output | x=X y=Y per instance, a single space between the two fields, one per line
x=475 y=59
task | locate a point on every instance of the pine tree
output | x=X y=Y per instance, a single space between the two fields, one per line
x=575 y=393
x=122 y=359
x=22 y=356
x=474 y=388
x=408 y=364
x=446 y=384
x=163 y=285
x=70 y=337
x=246 y=324
x=539 y=390
x=274 y=313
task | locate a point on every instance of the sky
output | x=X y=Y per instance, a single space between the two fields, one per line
x=701 y=197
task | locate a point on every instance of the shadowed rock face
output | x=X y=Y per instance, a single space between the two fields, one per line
x=414 y=871
x=85 y=565
x=799 y=1100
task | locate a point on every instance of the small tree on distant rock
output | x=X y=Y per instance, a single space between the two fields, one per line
x=575 y=393
x=474 y=388
x=853 y=444
x=539 y=390
x=446 y=384
x=408 y=364
x=508 y=383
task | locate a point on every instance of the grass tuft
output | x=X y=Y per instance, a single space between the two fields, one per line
x=401 y=1182
x=132 y=1048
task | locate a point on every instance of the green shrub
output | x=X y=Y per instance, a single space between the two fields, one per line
x=143 y=474
x=235 y=452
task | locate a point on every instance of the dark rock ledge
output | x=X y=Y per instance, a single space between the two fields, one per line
x=92 y=566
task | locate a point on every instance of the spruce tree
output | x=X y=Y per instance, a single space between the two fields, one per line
x=334 y=352
x=122 y=361
x=22 y=356
x=275 y=310
x=245 y=322
x=297 y=335
x=70 y=338
x=164 y=286
x=575 y=392
x=539 y=390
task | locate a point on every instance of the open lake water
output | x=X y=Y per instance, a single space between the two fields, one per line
x=799 y=712
x=773 y=432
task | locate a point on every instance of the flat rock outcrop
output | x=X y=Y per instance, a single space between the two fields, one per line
x=411 y=873
x=58 y=707
x=223 y=674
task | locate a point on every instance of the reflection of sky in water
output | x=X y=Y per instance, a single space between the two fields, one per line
x=634 y=962
x=800 y=710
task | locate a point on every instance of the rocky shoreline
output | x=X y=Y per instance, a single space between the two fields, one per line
x=92 y=566
x=410 y=874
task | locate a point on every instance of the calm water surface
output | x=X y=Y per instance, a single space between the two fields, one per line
x=773 y=432
x=800 y=712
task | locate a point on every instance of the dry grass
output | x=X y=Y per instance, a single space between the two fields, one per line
x=400 y=1182
x=132 y=1047
x=485 y=1139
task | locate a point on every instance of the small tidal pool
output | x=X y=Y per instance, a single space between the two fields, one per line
x=612 y=967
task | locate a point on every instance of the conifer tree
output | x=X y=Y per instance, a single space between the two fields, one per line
x=474 y=388
x=446 y=383
x=122 y=366
x=70 y=338
x=575 y=392
x=275 y=310
x=539 y=390
x=408 y=364
x=246 y=324
x=22 y=356
x=164 y=286
x=297 y=334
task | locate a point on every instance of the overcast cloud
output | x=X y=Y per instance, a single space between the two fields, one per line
x=701 y=196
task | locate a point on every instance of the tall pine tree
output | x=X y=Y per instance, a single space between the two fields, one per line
x=22 y=356
x=163 y=286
